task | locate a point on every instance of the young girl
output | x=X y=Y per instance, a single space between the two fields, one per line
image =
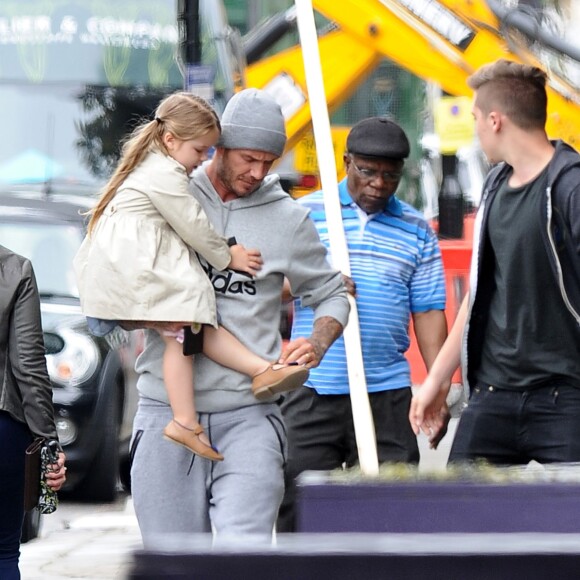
x=138 y=267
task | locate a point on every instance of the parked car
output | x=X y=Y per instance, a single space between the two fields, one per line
x=93 y=382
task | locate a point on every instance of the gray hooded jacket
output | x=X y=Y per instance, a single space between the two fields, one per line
x=271 y=221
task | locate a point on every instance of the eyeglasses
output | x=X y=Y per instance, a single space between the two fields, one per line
x=370 y=174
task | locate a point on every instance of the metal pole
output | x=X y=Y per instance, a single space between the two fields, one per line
x=362 y=415
x=189 y=30
x=198 y=78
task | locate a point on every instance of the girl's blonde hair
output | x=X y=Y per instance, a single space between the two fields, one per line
x=184 y=115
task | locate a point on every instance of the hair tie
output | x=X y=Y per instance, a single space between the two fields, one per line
x=158 y=120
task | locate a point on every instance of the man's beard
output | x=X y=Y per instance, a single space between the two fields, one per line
x=230 y=182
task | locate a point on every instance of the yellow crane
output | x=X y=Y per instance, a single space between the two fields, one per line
x=443 y=41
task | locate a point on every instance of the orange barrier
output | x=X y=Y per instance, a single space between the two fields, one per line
x=456 y=261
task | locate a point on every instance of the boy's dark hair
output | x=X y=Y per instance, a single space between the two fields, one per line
x=516 y=90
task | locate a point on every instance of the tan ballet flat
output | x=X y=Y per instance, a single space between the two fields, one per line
x=278 y=379
x=178 y=433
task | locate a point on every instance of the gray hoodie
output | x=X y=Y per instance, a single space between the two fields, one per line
x=271 y=221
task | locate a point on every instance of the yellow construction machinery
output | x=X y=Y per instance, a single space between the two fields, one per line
x=443 y=41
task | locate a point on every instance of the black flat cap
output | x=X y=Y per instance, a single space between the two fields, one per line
x=378 y=137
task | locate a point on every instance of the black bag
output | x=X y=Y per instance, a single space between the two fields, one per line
x=32 y=474
x=40 y=454
x=192 y=343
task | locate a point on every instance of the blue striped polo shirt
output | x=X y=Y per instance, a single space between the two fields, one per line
x=396 y=264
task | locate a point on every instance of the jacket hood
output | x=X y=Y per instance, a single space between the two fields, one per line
x=270 y=190
x=565 y=157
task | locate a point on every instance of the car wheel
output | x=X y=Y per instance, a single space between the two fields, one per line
x=30 y=526
x=102 y=478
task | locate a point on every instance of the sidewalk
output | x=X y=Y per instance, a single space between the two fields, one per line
x=95 y=547
x=99 y=545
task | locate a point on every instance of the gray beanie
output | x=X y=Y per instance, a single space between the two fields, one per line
x=252 y=119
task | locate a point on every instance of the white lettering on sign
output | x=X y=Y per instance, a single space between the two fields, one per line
x=100 y=31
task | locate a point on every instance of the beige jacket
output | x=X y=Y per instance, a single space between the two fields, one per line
x=140 y=261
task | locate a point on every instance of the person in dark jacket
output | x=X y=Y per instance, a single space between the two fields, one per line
x=25 y=400
x=519 y=327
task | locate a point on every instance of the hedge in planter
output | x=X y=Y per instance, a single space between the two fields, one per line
x=463 y=499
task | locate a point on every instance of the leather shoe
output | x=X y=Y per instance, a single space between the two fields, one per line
x=278 y=378
x=189 y=438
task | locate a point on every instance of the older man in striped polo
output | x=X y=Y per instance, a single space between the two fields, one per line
x=398 y=274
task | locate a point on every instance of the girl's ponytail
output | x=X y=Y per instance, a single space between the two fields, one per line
x=184 y=115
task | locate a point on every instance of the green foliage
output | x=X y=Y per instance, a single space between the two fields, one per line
x=477 y=472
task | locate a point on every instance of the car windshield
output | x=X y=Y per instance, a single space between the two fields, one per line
x=75 y=78
x=51 y=248
x=45 y=143
x=68 y=139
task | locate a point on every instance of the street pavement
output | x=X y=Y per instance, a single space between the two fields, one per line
x=93 y=546
x=97 y=543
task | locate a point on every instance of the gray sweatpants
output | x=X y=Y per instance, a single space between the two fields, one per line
x=175 y=491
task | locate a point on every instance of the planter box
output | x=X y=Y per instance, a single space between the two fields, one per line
x=367 y=556
x=446 y=530
x=436 y=507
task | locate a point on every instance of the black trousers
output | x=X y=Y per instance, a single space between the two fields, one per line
x=15 y=438
x=321 y=436
x=508 y=427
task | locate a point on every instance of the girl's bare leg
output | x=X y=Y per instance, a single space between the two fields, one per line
x=224 y=348
x=269 y=378
x=178 y=376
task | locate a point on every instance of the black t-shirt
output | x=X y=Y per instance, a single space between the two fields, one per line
x=531 y=339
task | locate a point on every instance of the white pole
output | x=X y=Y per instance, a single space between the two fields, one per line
x=362 y=415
